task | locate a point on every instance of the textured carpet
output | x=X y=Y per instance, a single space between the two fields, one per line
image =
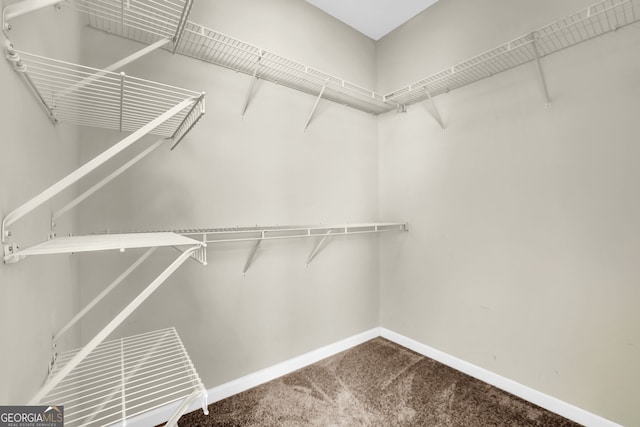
x=378 y=383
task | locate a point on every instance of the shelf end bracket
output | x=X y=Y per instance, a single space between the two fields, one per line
x=252 y=255
x=435 y=112
x=315 y=105
x=543 y=82
x=254 y=79
x=318 y=247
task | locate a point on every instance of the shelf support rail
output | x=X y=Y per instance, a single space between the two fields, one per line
x=13 y=57
x=87 y=168
x=110 y=327
x=315 y=105
x=101 y=296
x=254 y=79
x=182 y=22
x=253 y=253
x=543 y=82
x=75 y=202
x=319 y=246
x=193 y=116
x=435 y=112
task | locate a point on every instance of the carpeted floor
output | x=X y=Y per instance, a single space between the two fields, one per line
x=378 y=383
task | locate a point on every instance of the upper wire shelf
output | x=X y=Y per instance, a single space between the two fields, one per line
x=211 y=46
x=146 y=21
x=124 y=378
x=598 y=19
x=149 y=21
x=87 y=96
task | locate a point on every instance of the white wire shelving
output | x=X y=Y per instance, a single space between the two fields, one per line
x=258 y=234
x=81 y=95
x=150 y=21
x=105 y=242
x=601 y=18
x=86 y=96
x=102 y=386
x=123 y=378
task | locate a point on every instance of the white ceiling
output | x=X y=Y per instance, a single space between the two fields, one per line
x=374 y=18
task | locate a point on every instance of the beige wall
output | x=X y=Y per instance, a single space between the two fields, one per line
x=523 y=252
x=39 y=294
x=522 y=256
x=264 y=170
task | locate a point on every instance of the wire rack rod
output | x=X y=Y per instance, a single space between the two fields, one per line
x=598 y=19
x=239 y=234
x=124 y=378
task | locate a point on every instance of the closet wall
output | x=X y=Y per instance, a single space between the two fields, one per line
x=524 y=246
x=261 y=169
x=37 y=295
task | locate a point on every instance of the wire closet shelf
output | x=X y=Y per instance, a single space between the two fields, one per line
x=149 y=21
x=87 y=96
x=596 y=20
x=123 y=378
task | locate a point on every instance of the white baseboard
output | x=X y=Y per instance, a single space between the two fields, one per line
x=545 y=401
x=239 y=385
x=223 y=391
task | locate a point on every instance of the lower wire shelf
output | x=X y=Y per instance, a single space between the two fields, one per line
x=124 y=378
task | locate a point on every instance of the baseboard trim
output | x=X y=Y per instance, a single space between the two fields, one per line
x=588 y=419
x=543 y=400
x=265 y=375
x=161 y=415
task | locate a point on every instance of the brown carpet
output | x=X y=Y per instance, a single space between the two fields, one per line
x=377 y=383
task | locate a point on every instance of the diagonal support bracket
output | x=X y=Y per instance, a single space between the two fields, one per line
x=319 y=246
x=252 y=255
x=254 y=79
x=543 y=82
x=315 y=106
x=435 y=112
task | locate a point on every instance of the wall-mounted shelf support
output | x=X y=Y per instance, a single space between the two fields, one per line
x=101 y=296
x=543 y=81
x=315 y=105
x=75 y=202
x=254 y=79
x=318 y=247
x=190 y=120
x=252 y=255
x=435 y=113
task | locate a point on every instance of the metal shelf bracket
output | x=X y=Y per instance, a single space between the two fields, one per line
x=252 y=254
x=435 y=113
x=318 y=246
x=254 y=79
x=543 y=82
x=315 y=105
